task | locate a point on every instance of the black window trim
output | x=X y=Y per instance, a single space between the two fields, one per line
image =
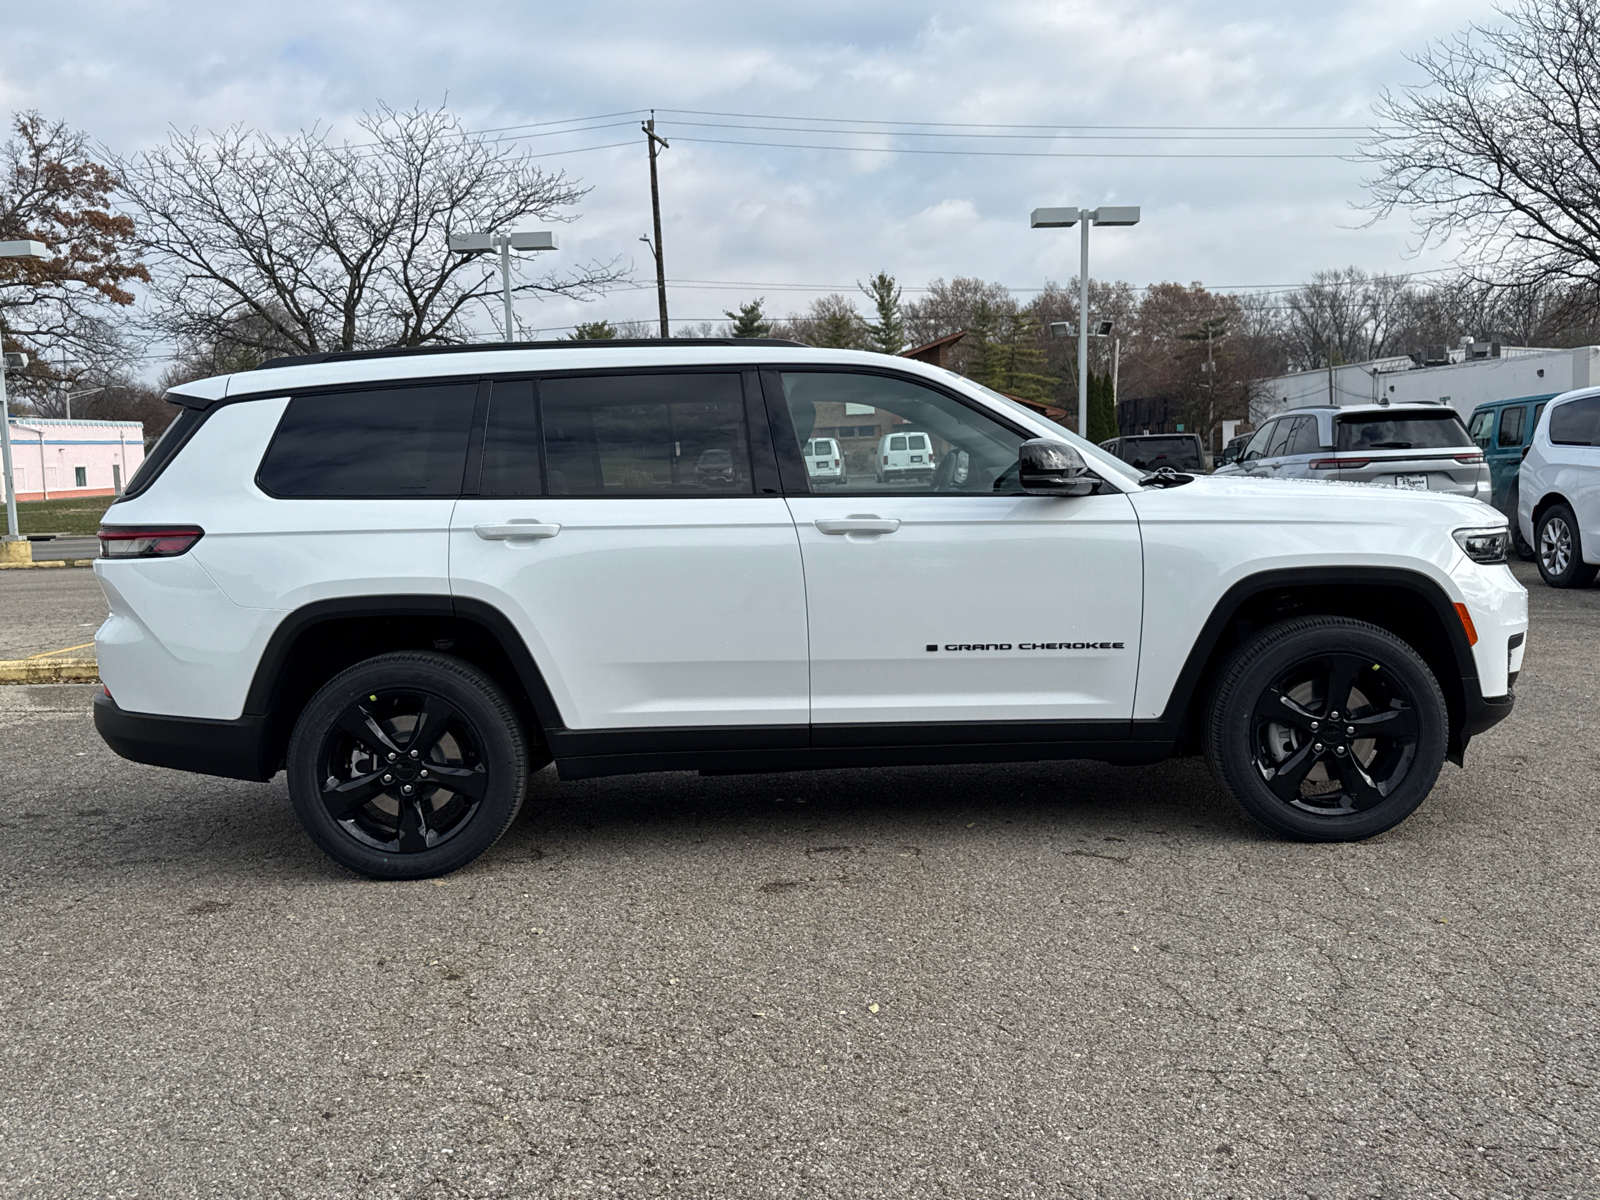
x=154 y=464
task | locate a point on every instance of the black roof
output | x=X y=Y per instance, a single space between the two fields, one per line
x=300 y=360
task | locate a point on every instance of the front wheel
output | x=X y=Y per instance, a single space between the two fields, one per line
x=1560 y=549
x=407 y=765
x=1327 y=729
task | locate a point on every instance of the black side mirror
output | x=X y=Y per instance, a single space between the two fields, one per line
x=1051 y=468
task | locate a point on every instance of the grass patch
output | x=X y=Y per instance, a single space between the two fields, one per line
x=62 y=516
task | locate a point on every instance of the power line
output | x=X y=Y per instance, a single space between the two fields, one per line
x=1041 y=137
x=977 y=125
x=992 y=153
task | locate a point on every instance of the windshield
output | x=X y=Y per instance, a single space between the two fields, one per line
x=1100 y=459
x=1409 y=431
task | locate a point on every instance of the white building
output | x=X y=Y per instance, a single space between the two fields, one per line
x=1474 y=374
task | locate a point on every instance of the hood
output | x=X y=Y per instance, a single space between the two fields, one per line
x=1247 y=498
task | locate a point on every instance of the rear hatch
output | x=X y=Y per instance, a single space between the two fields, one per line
x=1425 y=449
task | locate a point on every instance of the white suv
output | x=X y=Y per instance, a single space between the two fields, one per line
x=411 y=578
x=1558 y=490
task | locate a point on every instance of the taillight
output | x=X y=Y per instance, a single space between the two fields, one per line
x=1336 y=464
x=1470 y=460
x=160 y=541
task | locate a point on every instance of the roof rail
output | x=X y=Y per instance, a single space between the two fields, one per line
x=301 y=360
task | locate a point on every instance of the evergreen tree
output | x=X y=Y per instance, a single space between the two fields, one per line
x=749 y=321
x=1102 y=408
x=834 y=322
x=1008 y=357
x=888 y=336
x=592 y=331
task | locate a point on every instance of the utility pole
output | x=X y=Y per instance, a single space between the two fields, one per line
x=652 y=140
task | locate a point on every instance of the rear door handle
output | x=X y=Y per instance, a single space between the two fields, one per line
x=516 y=530
x=863 y=523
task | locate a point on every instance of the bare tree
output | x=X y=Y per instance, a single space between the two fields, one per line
x=310 y=245
x=1500 y=148
x=61 y=309
x=1348 y=316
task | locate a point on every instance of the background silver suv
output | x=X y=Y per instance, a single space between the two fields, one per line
x=1420 y=446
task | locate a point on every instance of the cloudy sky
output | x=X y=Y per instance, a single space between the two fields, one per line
x=1285 y=85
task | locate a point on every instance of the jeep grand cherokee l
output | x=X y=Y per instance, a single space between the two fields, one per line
x=411 y=578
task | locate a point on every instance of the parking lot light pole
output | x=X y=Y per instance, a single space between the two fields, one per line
x=14 y=546
x=1063 y=218
x=477 y=243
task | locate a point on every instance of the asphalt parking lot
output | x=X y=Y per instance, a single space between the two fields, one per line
x=1064 y=980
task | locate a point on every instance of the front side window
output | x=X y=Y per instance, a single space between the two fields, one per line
x=1257 y=445
x=897 y=436
x=1576 y=423
x=1280 y=437
x=1511 y=420
x=1411 y=431
x=645 y=435
x=382 y=443
x=1480 y=428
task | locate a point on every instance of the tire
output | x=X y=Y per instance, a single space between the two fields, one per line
x=1559 y=549
x=1271 y=731
x=1519 y=544
x=398 y=722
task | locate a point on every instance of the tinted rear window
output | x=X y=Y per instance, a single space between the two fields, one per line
x=1410 y=431
x=1576 y=423
x=164 y=451
x=1153 y=453
x=390 y=442
x=645 y=435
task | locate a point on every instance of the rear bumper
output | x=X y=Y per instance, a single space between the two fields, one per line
x=232 y=749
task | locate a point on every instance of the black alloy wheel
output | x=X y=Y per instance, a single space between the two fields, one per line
x=1328 y=729
x=1559 y=548
x=407 y=766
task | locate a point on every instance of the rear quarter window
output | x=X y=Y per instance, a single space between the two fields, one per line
x=381 y=443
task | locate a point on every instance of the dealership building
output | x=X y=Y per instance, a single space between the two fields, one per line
x=1464 y=377
x=56 y=460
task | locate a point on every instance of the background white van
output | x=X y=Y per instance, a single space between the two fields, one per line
x=903 y=456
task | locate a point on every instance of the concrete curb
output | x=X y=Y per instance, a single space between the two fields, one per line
x=29 y=566
x=49 y=670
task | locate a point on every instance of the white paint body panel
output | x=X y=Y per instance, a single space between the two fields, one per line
x=1570 y=473
x=685 y=611
x=971 y=570
x=1203 y=538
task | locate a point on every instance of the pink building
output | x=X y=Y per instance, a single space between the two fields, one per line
x=54 y=460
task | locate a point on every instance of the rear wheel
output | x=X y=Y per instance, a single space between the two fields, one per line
x=1327 y=729
x=1560 y=549
x=407 y=766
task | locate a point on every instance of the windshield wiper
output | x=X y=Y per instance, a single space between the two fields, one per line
x=1166 y=477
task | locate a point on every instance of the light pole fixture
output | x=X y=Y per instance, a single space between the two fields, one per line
x=14 y=548
x=477 y=243
x=1063 y=218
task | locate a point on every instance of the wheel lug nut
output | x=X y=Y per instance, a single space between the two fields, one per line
x=424 y=772
x=406 y=789
x=1333 y=716
x=414 y=754
x=1350 y=729
x=1336 y=750
x=391 y=756
x=1316 y=725
x=388 y=778
x=1317 y=746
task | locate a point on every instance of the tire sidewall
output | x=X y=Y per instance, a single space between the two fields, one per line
x=500 y=742
x=1268 y=657
x=1572 y=574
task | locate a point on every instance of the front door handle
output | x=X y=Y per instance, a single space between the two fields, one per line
x=858 y=523
x=515 y=530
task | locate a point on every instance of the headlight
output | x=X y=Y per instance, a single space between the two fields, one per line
x=1484 y=545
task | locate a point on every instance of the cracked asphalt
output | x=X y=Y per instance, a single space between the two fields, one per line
x=1064 y=980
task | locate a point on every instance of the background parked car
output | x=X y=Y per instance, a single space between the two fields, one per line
x=824 y=461
x=1504 y=429
x=1226 y=462
x=1152 y=451
x=904 y=456
x=1420 y=446
x=1558 y=506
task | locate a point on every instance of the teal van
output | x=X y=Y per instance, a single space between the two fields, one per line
x=1504 y=428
